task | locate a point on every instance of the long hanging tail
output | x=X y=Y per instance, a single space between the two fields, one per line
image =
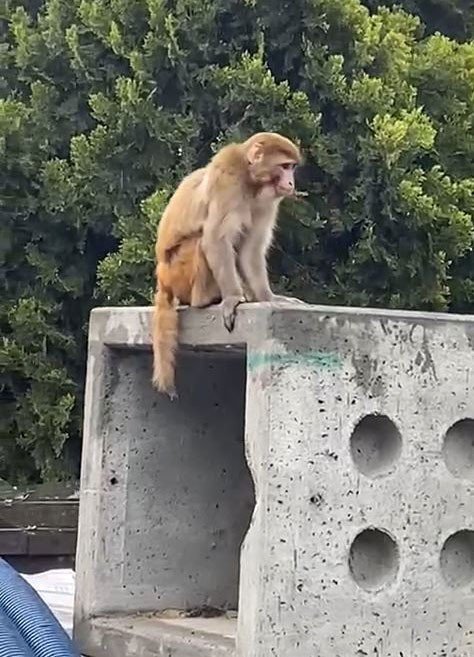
x=165 y=341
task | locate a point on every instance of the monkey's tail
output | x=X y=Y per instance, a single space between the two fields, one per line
x=165 y=341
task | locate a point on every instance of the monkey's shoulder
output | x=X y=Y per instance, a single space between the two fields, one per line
x=192 y=180
x=230 y=160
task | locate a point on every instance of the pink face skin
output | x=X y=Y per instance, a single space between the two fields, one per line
x=278 y=183
x=284 y=179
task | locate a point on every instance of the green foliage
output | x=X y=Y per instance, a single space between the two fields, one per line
x=125 y=277
x=455 y=18
x=105 y=104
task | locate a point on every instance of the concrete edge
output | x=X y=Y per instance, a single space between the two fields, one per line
x=106 y=636
x=130 y=326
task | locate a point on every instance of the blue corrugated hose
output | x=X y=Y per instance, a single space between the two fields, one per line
x=12 y=643
x=38 y=633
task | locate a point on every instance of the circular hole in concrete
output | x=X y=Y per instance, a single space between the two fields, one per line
x=375 y=444
x=373 y=559
x=458 y=449
x=457 y=559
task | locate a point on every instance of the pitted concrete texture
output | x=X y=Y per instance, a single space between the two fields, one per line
x=359 y=434
x=157 y=637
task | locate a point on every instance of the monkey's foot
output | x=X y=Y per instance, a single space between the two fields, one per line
x=165 y=388
x=229 y=310
x=278 y=298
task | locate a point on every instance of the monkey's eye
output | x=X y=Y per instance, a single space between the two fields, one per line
x=287 y=165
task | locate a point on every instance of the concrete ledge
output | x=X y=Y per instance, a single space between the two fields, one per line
x=130 y=327
x=132 y=636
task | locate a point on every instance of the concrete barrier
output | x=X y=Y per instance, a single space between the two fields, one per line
x=359 y=439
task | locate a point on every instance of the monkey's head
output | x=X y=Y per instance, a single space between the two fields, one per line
x=272 y=160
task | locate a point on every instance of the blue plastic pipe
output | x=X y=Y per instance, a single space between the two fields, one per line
x=12 y=643
x=37 y=630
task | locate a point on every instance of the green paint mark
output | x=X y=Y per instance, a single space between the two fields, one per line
x=316 y=359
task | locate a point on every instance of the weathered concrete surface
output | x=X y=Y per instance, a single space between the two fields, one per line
x=362 y=537
x=308 y=586
x=166 y=495
x=156 y=637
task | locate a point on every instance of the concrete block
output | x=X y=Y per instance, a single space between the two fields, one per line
x=359 y=435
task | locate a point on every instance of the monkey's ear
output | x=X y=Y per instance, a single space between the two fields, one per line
x=255 y=153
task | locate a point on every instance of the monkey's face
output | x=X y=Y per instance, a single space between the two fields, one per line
x=272 y=160
x=276 y=175
x=283 y=179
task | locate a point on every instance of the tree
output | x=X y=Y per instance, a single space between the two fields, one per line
x=105 y=104
x=454 y=18
x=390 y=208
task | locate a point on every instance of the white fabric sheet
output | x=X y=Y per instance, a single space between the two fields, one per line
x=56 y=588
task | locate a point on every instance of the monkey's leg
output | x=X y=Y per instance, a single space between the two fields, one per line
x=205 y=290
x=253 y=265
x=218 y=247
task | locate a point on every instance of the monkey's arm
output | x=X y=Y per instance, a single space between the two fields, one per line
x=219 y=235
x=252 y=260
x=253 y=265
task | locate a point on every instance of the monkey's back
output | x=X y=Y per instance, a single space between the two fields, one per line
x=183 y=216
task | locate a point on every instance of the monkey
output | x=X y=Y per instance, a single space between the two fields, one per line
x=213 y=238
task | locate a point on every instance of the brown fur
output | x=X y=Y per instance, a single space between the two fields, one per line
x=214 y=235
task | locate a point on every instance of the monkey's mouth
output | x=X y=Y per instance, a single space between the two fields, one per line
x=284 y=191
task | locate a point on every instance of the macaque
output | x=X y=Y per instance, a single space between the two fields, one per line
x=214 y=235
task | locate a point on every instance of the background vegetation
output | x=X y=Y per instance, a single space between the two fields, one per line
x=104 y=104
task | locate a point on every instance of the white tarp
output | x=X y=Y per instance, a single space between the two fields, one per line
x=56 y=588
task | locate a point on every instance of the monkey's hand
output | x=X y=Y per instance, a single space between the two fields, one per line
x=229 y=310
